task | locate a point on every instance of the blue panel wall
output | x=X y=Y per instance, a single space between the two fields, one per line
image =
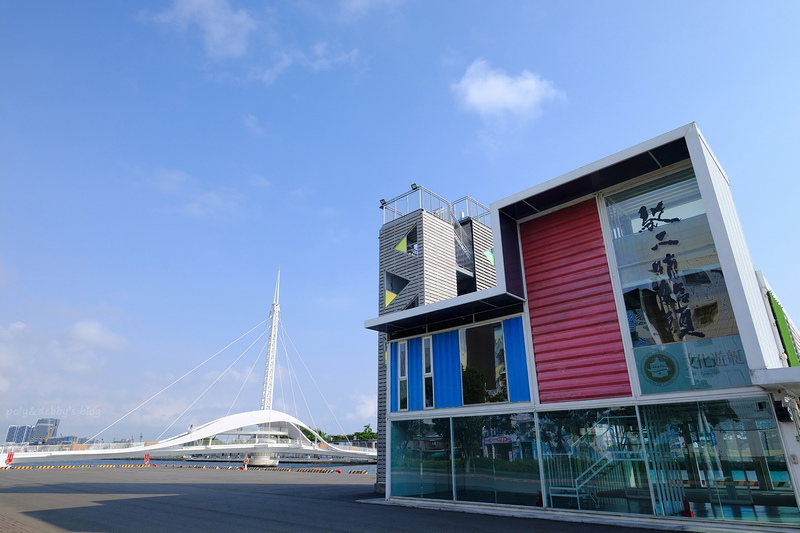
x=446 y=370
x=393 y=378
x=415 y=374
x=519 y=389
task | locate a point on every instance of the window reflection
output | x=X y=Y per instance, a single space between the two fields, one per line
x=420 y=459
x=719 y=459
x=496 y=459
x=402 y=380
x=680 y=316
x=483 y=364
x=593 y=459
x=427 y=372
x=673 y=285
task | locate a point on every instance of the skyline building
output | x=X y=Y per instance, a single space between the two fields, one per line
x=19 y=434
x=44 y=429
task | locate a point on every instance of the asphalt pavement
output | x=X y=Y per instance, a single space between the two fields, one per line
x=191 y=499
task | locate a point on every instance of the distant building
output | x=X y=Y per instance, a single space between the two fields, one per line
x=69 y=439
x=18 y=434
x=352 y=441
x=45 y=429
x=598 y=342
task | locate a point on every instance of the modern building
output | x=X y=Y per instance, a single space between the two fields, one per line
x=18 y=434
x=599 y=343
x=45 y=429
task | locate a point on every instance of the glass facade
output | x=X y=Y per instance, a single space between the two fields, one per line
x=480 y=364
x=493 y=459
x=718 y=459
x=680 y=317
x=483 y=364
x=421 y=459
x=714 y=459
x=496 y=459
x=402 y=389
x=722 y=459
x=593 y=459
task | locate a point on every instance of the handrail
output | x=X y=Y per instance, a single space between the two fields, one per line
x=421 y=198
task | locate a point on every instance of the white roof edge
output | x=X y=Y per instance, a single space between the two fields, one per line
x=435 y=306
x=597 y=165
x=777 y=376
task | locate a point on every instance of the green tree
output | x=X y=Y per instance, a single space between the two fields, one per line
x=367 y=434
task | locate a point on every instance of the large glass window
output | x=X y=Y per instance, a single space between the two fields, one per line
x=421 y=464
x=427 y=372
x=593 y=459
x=402 y=376
x=483 y=364
x=719 y=459
x=679 y=313
x=496 y=459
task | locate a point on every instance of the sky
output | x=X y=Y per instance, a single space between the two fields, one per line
x=160 y=160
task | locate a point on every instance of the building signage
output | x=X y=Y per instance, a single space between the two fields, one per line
x=496 y=440
x=702 y=364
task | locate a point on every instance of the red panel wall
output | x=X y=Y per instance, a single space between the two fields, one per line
x=577 y=342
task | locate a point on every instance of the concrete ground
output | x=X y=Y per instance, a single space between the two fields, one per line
x=190 y=499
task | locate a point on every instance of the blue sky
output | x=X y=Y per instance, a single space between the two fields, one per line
x=159 y=160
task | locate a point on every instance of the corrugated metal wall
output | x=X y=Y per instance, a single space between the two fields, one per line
x=485 y=276
x=577 y=342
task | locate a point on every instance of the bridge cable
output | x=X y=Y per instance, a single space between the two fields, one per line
x=315 y=384
x=290 y=371
x=302 y=395
x=212 y=384
x=280 y=381
x=246 y=378
x=177 y=380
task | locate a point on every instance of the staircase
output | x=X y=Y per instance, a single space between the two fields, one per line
x=607 y=448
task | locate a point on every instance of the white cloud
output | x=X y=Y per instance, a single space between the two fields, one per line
x=171 y=180
x=260 y=182
x=495 y=95
x=94 y=334
x=195 y=200
x=358 y=8
x=268 y=75
x=212 y=203
x=320 y=57
x=225 y=31
x=52 y=372
x=366 y=408
x=251 y=123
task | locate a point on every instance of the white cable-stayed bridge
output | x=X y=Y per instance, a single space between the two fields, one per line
x=262 y=433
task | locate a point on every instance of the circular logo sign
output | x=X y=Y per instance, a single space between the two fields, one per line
x=660 y=368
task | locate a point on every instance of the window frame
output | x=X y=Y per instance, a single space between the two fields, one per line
x=402 y=374
x=427 y=351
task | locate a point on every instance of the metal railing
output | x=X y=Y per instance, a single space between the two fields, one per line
x=418 y=198
x=591 y=464
x=421 y=198
x=469 y=207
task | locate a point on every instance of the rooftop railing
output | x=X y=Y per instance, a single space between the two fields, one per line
x=469 y=207
x=421 y=198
